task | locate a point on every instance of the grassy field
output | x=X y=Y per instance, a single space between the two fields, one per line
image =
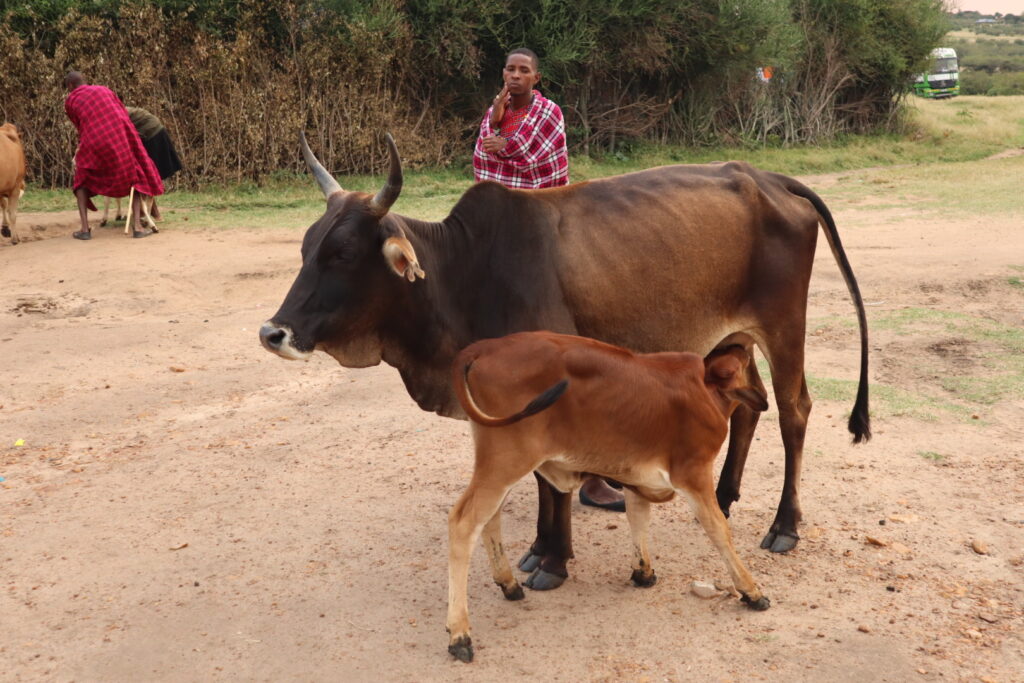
x=935 y=154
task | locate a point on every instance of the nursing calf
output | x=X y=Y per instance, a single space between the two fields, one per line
x=654 y=422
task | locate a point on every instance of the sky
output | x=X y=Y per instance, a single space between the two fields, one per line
x=990 y=6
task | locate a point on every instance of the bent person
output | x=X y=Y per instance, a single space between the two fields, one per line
x=111 y=159
x=158 y=145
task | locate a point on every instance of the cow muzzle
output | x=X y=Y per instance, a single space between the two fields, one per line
x=279 y=340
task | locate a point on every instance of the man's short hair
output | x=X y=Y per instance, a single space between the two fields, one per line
x=529 y=53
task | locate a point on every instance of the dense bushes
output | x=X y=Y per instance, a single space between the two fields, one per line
x=236 y=79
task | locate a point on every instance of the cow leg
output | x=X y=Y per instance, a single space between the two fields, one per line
x=10 y=216
x=501 y=570
x=638 y=513
x=475 y=508
x=794 y=404
x=551 y=550
x=705 y=507
x=741 y=435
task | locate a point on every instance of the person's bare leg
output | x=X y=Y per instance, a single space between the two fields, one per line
x=82 y=195
x=595 y=491
x=137 y=219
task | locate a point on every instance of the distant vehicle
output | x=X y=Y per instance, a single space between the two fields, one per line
x=943 y=76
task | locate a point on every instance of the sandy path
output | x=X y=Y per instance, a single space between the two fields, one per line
x=188 y=507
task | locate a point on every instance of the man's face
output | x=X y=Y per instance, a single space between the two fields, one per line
x=520 y=75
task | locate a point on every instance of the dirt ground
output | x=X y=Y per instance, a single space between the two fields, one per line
x=187 y=507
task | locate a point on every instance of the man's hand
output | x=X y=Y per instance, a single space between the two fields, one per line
x=498 y=107
x=493 y=144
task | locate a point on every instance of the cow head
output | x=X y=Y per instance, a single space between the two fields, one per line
x=725 y=376
x=353 y=259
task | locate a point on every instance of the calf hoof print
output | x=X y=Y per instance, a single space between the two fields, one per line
x=759 y=605
x=641 y=580
x=529 y=561
x=541 y=580
x=779 y=542
x=513 y=593
x=462 y=649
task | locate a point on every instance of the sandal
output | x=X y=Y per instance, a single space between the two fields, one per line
x=141 y=233
x=82 y=235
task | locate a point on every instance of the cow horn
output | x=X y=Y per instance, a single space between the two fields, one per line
x=389 y=193
x=328 y=185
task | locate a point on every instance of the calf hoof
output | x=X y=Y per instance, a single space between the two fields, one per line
x=779 y=541
x=759 y=605
x=641 y=580
x=462 y=649
x=513 y=593
x=529 y=561
x=541 y=580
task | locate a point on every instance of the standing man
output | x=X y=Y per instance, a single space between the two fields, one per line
x=522 y=145
x=110 y=160
x=522 y=136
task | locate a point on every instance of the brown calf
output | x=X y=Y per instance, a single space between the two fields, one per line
x=654 y=422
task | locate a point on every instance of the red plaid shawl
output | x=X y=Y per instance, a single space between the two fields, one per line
x=110 y=159
x=535 y=154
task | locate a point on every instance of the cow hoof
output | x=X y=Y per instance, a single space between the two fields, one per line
x=462 y=649
x=513 y=593
x=759 y=605
x=541 y=580
x=641 y=580
x=5 y=231
x=529 y=561
x=779 y=542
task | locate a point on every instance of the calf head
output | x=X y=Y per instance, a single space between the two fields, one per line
x=725 y=376
x=350 y=259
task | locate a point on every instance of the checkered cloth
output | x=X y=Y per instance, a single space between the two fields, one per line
x=110 y=159
x=534 y=156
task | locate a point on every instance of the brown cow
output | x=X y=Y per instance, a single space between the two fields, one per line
x=673 y=258
x=12 y=179
x=654 y=422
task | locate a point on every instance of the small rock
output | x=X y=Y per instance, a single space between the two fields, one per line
x=987 y=616
x=922 y=671
x=863 y=628
x=612 y=526
x=176 y=368
x=703 y=589
x=900 y=548
x=876 y=541
x=881 y=522
x=973 y=633
x=979 y=547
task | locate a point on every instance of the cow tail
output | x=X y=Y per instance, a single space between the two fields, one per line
x=860 y=418
x=476 y=414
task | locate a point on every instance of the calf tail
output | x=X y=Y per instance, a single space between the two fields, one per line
x=476 y=414
x=860 y=418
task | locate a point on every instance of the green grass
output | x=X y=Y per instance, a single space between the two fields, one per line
x=937 y=156
x=933 y=456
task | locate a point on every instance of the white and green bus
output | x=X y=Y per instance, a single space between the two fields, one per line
x=943 y=76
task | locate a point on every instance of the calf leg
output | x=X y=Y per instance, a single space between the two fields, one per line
x=741 y=435
x=702 y=500
x=794 y=404
x=501 y=570
x=475 y=508
x=638 y=513
x=552 y=548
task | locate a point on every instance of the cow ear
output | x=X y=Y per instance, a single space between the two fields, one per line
x=400 y=255
x=750 y=397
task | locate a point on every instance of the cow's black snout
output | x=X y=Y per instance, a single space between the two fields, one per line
x=272 y=336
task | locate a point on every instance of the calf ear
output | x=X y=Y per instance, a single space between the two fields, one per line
x=400 y=255
x=750 y=397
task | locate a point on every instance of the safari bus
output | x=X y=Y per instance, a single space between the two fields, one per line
x=943 y=76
